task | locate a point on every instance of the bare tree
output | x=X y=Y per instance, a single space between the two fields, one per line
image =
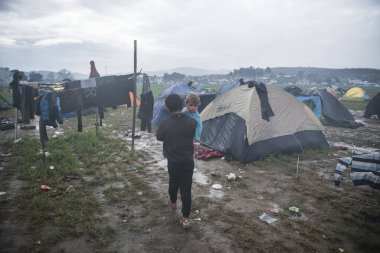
x=64 y=74
x=35 y=77
x=50 y=77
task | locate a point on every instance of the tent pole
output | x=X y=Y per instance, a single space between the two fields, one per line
x=16 y=119
x=134 y=95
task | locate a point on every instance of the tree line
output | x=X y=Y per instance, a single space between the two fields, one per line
x=6 y=76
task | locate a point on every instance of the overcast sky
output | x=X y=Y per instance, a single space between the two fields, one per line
x=209 y=34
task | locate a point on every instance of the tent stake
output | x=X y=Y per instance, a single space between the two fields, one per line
x=298 y=160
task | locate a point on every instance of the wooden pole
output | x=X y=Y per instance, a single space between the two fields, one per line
x=134 y=95
x=298 y=161
x=16 y=122
x=97 y=121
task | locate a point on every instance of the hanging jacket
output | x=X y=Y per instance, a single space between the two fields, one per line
x=15 y=86
x=49 y=108
x=146 y=106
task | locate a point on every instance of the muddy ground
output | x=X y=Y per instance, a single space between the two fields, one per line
x=330 y=218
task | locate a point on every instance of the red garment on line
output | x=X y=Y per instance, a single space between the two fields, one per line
x=93 y=72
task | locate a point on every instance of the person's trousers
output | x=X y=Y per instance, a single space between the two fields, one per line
x=181 y=178
x=146 y=123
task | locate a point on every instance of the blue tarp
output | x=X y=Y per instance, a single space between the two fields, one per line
x=227 y=87
x=316 y=101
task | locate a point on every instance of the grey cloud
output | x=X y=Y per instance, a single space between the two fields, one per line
x=7 y=5
x=202 y=33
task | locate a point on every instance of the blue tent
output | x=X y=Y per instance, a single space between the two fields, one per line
x=227 y=87
x=333 y=111
x=159 y=110
x=316 y=102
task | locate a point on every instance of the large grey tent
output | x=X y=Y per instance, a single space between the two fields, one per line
x=373 y=107
x=233 y=124
x=333 y=111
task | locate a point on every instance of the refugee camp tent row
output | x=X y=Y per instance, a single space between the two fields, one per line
x=337 y=90
x=328 y=108
x=248 y=123
x=159 y=110
x=356 y=94
x=373 y=107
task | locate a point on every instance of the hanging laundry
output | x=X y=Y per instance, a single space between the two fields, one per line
x=93 y=71
x=146 y=106
x=49 y=108
x=71 y=100
x=15 y=86
x=365 y=169
x=114 y=90
x=89 y=93
x=27 y=103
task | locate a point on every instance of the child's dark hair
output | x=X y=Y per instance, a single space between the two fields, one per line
x=174 y=103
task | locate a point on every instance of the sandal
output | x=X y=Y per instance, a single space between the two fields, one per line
x=173 y=206
x=185 y=223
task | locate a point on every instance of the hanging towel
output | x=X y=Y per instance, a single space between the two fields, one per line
x=88 y=83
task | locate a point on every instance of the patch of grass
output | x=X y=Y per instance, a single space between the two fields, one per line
x=354 y=104
x=58 y=214
x=116 y=194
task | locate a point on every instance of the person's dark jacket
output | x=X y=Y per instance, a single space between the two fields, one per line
x=146 y=106
x=177 y=132
x=15 y=86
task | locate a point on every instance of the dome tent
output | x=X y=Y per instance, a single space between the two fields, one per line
x=356 y=93
x=294 y=90
x=159 y=110
x=328 y=109
x=373 y=107
x=233 y=125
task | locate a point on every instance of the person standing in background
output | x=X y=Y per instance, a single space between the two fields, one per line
x=15 y=87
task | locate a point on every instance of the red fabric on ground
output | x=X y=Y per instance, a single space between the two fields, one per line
x=201 y=153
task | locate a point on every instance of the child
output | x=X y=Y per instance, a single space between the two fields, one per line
x=192 y=102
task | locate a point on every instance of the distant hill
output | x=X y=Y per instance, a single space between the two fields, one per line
x=79 y=76
x=189 y=71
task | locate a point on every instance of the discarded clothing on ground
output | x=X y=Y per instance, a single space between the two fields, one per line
x=365 y=169
x=6 y=124
x=201 y=153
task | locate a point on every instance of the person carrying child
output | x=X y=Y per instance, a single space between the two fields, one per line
x=177 y=132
